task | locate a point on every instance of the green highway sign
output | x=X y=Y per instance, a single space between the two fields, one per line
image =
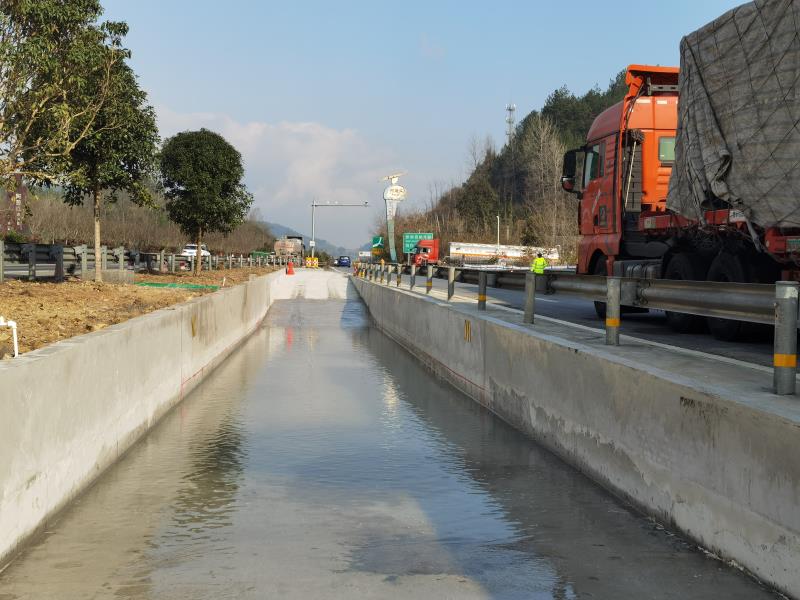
x=410 y=240
x=377 y=242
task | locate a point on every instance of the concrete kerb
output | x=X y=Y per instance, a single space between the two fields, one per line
x=716 y=457
x=73 y=408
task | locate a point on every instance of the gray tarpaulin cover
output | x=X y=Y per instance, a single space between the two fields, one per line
x=738 y=114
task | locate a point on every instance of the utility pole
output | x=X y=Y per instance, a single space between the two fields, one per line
x=511 y=109
x=314 y=206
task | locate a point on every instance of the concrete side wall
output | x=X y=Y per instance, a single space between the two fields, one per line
x=71 y=409
x=722 y=471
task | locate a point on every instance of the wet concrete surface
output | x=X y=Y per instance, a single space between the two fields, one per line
x=322 y=461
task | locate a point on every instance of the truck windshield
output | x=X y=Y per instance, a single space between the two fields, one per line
x=592 y=165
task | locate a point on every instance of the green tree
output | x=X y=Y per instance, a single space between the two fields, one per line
x=478 y=202
x=202 y=176
x=55 y=71
x=117 y=154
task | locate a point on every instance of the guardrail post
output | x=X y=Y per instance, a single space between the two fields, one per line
x=785 y=355
x=428 y=280
x=84 y=261
x=119 y=254
x=103 y=258
x=451 y=283
x=399 y=274
x=613 y=292
x=530 y=298
x=171 y=263
x=161 y=261
x=413 y=277
x=482 y=290
x=2 y=261
x=30 y=251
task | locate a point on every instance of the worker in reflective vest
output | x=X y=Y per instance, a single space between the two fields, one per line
x=539 y=264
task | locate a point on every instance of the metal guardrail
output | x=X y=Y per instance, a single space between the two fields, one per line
x=27 y=261
x=771 y=304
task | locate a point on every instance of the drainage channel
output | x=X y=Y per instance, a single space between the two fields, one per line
x=321 y=460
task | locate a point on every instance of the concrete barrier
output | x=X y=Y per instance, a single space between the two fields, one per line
x=696 y=441
x=71 y=409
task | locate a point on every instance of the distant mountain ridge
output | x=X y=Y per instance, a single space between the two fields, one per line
x=323 y=245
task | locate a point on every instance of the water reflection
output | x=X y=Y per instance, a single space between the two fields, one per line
x=321 y=460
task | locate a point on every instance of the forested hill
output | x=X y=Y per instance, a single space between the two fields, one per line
x=514 y=172
x=521 y=181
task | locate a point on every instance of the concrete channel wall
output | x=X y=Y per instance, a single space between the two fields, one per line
x=720 y=466
x=69 y=410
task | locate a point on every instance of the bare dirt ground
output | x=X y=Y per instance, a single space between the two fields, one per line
x=230 y=276
x=49 y=312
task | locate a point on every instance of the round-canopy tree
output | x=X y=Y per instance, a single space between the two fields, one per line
x=202 y=174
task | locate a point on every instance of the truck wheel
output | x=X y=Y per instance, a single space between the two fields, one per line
x=685 y=267
x=727 y=267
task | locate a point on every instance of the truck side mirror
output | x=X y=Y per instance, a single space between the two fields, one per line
x=568 y=171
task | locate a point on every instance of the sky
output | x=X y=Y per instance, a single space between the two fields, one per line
x=323 y=99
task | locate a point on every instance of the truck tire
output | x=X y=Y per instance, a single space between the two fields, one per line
x=728 y=267
x=686 y=267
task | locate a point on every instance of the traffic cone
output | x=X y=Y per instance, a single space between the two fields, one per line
x=290 y=268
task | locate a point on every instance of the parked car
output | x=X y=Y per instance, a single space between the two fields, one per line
x=191 y=250
x=343 y=261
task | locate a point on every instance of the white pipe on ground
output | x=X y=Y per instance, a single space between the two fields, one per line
x=13 y=326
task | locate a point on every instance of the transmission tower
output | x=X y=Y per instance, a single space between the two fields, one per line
x=511 y=109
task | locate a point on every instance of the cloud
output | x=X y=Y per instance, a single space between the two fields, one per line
x=290 y=163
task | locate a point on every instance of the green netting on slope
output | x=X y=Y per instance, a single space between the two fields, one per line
x=187 y=286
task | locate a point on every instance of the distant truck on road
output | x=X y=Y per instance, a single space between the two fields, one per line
x=426 y=252
x=290 y=247
x=702 y=189
x=464 y=253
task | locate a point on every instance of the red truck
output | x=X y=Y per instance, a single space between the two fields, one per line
x=425 y=252
x=629 y=228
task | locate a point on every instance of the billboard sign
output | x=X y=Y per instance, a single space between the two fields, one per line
x=410 y=240
x=394 y=192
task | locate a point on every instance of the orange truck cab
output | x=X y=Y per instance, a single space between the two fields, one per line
x=621 y=178
x=627 y=161
x=426 y=251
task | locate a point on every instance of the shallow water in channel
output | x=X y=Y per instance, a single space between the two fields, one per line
x=322 y=461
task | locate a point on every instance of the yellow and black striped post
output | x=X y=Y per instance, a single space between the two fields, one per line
x=784 y=359
x=613 y=291
x=429 y=280
x=482 y=290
